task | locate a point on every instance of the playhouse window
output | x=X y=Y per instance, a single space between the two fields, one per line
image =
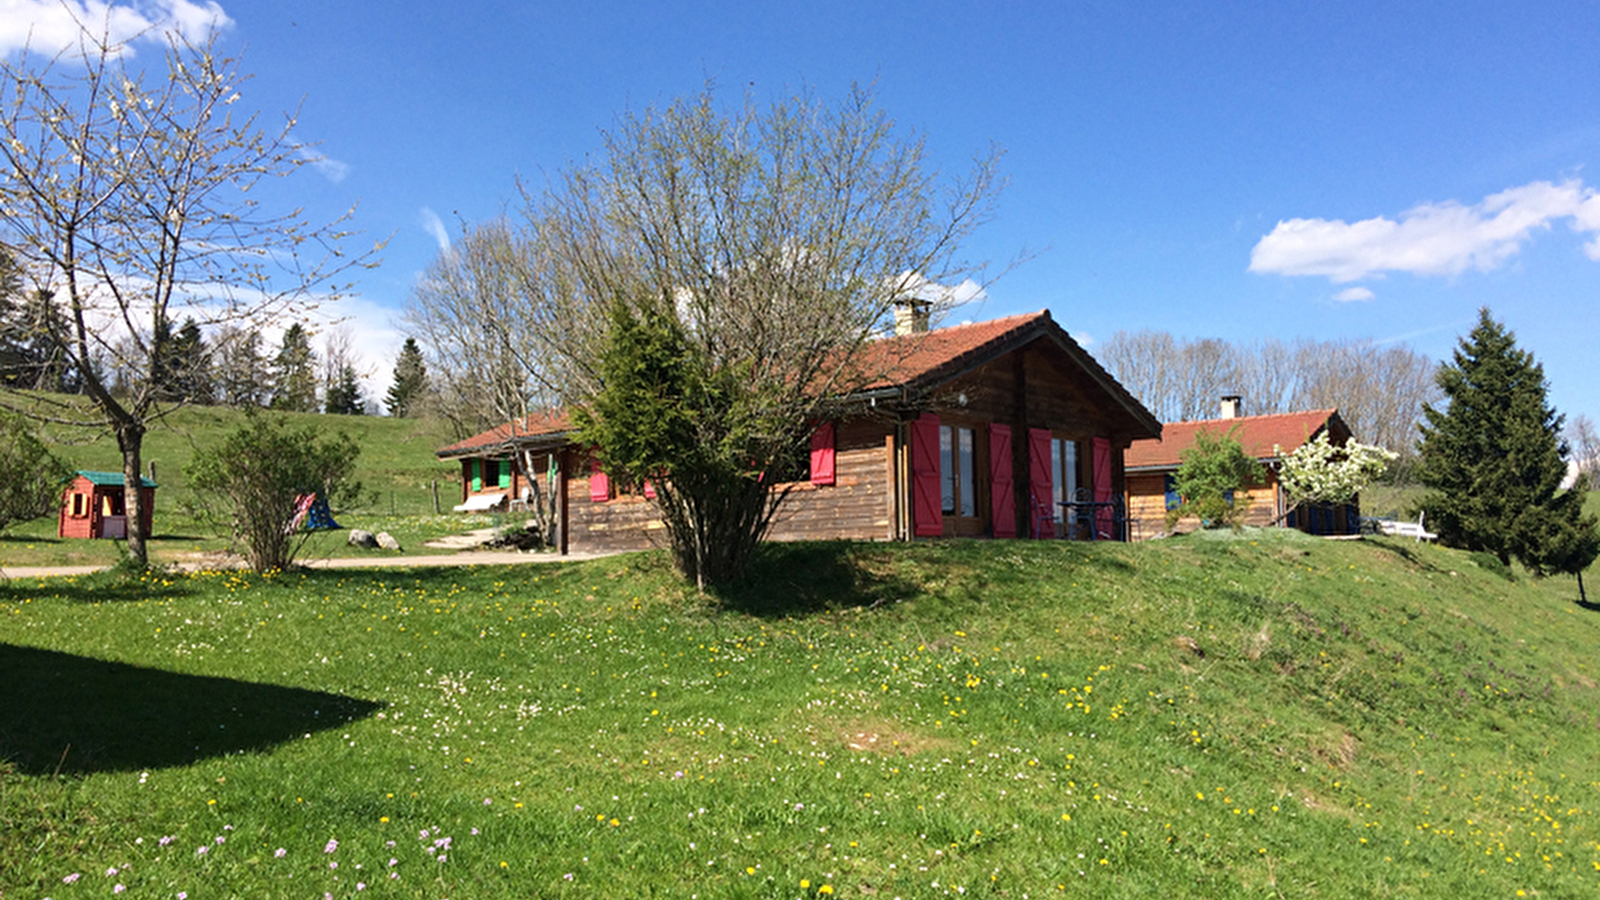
x=80 y=506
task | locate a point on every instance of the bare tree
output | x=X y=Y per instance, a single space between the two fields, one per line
x=769 y=244
x=1210 y=369
x=474 y=323
x=1379 y=391
x=1149 y=364
x=127 y=196
x=1584 y=448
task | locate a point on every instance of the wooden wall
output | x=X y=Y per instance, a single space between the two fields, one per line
x=859 y=505
x=1033 y=387
x=1147 y=505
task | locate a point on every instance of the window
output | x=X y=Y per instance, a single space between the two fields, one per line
x=491 y=473
x=956 y=471
x=80 y=505
x=1063 y=469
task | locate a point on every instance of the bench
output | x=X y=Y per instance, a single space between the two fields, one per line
x=1407 y=529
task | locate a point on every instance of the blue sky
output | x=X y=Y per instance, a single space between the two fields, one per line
x=1371 y=170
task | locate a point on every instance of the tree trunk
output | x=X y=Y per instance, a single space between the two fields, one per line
x=130 y=438
x=1583 y=598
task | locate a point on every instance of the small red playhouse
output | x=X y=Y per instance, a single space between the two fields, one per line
x=93 y=506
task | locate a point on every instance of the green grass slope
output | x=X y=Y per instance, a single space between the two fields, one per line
x=1267 y=715
x=397 y=468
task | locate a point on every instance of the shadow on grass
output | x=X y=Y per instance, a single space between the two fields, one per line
x=811 y=576
x=78 y=715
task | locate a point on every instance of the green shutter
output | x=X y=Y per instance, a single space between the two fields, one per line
x=505 y=474
x=472 y=471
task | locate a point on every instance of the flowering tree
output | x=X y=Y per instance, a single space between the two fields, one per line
x=1319 y=471
x=125 y=200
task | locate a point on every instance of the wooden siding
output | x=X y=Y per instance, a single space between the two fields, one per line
x=1032 y=387
x=858 y=505
x=1147 y=505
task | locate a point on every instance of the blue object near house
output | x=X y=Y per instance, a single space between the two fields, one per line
x=320 y=517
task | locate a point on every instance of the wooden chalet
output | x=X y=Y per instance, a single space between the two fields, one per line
x=1152 y=465
x=976 y=430
x=93 y=506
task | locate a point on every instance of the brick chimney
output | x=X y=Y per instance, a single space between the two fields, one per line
x=911 y=316
x=1232 y=406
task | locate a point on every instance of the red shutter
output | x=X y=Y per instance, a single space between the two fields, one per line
x=1002 y=483
x=1039 y=481
x=1102 y=485
x=927 y=516
x=649 y=489
x=822 y=469
x=599 y=484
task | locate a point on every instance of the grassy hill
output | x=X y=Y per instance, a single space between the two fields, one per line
x=397 y=467
x=1213 y=716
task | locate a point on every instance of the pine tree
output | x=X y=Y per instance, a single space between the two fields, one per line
x=183 y=367
x=343 y=394
x=294 y=373
x=1493 y=460
x=410 y=382
x=241 y=374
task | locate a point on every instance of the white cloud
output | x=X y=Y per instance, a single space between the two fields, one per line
x=329 y=168
x=1353 y=295
x=1433 y=239
x=434 y=226
x=943 y=296
x=49 y=27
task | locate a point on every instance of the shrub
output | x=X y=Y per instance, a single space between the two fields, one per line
x=255 y=476
x=1213 y=470
x=30 y=477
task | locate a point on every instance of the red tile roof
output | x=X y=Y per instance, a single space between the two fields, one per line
x=535 y=424
x=1257 y=434
x=914 y=358
x=905 y=361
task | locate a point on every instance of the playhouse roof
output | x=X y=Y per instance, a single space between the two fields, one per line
x=111 y=479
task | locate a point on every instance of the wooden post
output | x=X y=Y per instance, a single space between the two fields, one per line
x=436 y=496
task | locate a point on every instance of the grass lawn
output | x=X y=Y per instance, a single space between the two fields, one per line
x=1261 y=715
x=397 y=467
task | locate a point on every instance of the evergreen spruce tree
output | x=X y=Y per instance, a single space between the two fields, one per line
x=343 y=394
x=183 y=369
x=1493 y=460
x=239 y=370
x=294 y=373
x=410 y=382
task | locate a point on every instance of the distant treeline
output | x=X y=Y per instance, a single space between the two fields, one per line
x=1378 y=390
